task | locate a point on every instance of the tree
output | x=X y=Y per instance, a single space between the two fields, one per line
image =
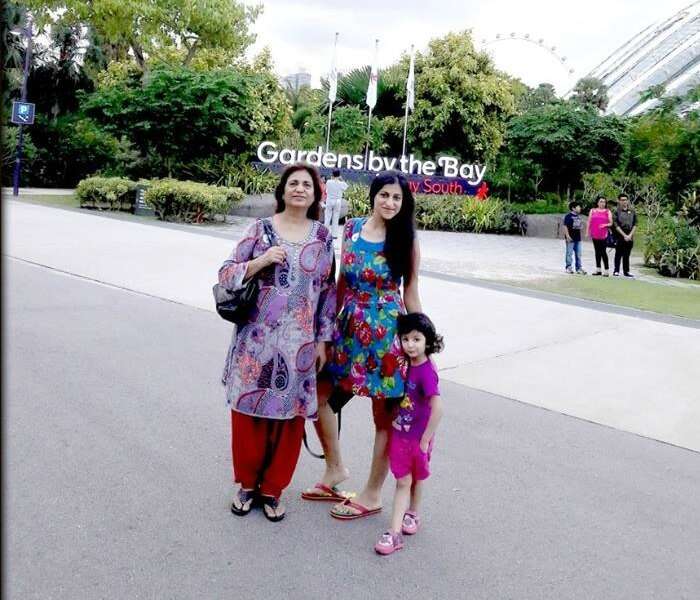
x=542 y=95
x=143 y=29
x=591 y=91
x=566 y=140
x=14 y=18
x=684 y=163
x=462 y=101
x=391 y=90
x=186 y=122
x=348 y=131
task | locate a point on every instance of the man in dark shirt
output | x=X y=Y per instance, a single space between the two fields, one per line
x=624 y=225
x=572 y=235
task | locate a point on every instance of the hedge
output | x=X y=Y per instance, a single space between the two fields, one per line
x=111 y=193
x=450 y=213
x=189 y=201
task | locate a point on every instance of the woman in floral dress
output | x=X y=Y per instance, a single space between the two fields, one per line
x=270 y=371
x=379 y=254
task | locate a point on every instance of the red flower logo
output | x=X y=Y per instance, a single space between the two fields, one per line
x=368 y=275
x=349 y=258
x=389 y=364
x=341 y=357
x=364 y=296
x=364 y=334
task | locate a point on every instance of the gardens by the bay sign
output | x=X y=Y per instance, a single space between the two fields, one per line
x=446 y=175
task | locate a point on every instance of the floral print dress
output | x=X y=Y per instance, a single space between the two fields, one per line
x=270 y=367
x=366 y=357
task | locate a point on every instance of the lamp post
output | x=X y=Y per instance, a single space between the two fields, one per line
x=20 y=140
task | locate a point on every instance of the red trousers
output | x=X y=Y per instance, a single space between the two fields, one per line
x=265 y=451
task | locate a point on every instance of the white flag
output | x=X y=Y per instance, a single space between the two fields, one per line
x=333 y=76
x=373 y=77
x=410 y=83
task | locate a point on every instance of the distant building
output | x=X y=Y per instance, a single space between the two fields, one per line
x=664 y=54
x=296 y=81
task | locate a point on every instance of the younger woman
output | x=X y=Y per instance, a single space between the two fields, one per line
x=413 y=428
x=598 y=226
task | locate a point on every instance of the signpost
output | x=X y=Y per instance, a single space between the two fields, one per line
x=140 y=206
x=22 y=112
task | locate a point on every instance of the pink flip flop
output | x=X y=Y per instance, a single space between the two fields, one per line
x=326 y=493
x=346 y=516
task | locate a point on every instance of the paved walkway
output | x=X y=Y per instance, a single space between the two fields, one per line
x=629 y=373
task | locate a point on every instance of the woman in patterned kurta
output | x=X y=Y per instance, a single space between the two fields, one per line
x=379 y=254
x=270 y=371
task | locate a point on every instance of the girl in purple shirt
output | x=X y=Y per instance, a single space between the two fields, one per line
x=413 y=428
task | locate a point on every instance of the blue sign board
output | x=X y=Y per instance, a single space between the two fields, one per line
x=23 y=113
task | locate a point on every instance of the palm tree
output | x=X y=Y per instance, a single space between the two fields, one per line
x=391 y=90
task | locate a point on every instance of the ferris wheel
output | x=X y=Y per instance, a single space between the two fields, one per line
x=532 y=40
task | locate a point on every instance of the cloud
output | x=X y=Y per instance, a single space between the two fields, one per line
x=300 y=34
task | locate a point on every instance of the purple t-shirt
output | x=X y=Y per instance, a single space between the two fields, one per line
x=414 y=410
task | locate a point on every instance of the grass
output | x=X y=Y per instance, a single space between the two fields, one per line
x=681 y=301
x=50 y=200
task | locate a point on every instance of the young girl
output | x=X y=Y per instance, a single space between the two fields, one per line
x=413 y=428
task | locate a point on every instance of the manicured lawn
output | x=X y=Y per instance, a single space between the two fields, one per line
x=50 y=200
x=682 y=301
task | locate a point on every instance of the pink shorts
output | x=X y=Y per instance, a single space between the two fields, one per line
x=405 y=457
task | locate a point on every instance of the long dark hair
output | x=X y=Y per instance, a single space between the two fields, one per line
x=421 y=322
x=401 y=229
x=315 y=208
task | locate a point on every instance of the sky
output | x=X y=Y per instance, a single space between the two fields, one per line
x=300 y=33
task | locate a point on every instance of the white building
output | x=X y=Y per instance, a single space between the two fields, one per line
x=666 y=53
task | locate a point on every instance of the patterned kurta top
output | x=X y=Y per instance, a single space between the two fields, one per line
x=270 y=369
x=366 y=358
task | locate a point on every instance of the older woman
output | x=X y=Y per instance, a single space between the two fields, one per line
x=270 y=372
x=379 y=257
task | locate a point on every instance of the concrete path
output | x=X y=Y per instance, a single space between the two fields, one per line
x=629 y=373
x=117 y=477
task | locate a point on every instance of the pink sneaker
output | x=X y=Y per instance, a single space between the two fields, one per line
x=388 y=543
x=411 y=523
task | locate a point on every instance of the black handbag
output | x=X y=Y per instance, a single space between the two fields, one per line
x=610 y=240
x=236 y=305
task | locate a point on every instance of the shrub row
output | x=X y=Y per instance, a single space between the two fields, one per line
x=672 y=245
x=172 y=200
x=111 y=193
x=190 y=202
x=450 y=213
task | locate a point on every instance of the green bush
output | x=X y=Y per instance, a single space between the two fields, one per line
x=672 y=245
x=357 y=196
x=460 y=213
x=449 y=213
x=251 y=180
x=542 y=207
x=189 y=201
x=71 y=148
x=112 y=193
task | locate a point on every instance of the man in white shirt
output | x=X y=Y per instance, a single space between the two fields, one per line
x=334 y=191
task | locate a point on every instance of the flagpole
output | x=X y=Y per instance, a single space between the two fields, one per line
x=405 y=117
x=405 y=127
x=371 y=106
x=330 y=101
x=369 y=122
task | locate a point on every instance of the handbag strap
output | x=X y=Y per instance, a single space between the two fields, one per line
x=269 y=231
x=306 y=442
